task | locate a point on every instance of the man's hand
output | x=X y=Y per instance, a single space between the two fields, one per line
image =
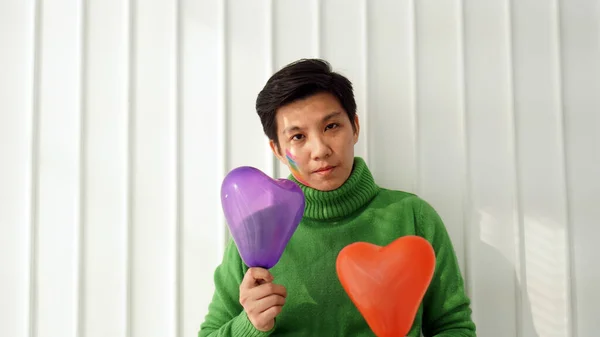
x=261 y=298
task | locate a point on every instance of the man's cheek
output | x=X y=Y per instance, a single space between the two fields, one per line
x=294 y=168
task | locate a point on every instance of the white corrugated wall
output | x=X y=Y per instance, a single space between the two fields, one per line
x=119 y=119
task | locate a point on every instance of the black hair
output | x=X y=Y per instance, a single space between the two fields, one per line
x=298 y=80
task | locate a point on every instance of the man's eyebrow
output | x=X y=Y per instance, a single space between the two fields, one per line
x=331 y=115
x=291 y=128
x=294 y=128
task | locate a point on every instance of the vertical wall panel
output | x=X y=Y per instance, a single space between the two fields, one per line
x=202 y=157
x=295 y=33
x=544 y=252
x=440 y=131
x=343 y=44
x=59 y=164
x=493 y=227
x=248 y=68
x=17 y=28
x=391 y=92
x=581 y=87
x=153 y=235
x=295 y=36
x=106 y=90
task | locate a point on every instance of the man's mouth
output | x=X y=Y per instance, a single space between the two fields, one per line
x=325 y=169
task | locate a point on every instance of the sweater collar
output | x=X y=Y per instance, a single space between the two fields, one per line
x=355 y=193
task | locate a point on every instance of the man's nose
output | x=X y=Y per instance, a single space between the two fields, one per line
x=321 y=149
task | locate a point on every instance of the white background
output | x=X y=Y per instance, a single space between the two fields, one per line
x=119 y=120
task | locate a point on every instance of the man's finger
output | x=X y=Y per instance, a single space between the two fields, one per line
x=271 y=313
x=265 y=303
x=266 y=290
x=254 y=276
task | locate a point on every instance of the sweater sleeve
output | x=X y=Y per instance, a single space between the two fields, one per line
x=226 y=316
x=446 y=306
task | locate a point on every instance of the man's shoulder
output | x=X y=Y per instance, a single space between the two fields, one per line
x=387 y=196
x=396 y=195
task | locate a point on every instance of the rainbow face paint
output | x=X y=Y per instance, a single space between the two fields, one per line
x=294 y=167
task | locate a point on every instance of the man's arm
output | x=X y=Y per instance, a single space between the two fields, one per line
x=226 y=316
x=446 y=306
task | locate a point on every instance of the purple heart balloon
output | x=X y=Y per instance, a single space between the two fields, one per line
x=262 y=214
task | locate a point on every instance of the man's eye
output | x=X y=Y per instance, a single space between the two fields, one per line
x=332 y=126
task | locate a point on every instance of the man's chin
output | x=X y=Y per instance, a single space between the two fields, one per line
x=326 y=186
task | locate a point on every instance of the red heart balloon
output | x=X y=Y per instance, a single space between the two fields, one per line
x=387 y=284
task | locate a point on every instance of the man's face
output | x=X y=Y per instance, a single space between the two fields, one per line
x=316 y=141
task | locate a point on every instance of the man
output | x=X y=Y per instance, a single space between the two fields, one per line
x=308 y=113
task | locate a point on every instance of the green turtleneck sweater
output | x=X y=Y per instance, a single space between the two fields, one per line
x=316 y=304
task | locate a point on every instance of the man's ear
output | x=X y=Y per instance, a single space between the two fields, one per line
x=276 y=149
x=356 y=129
